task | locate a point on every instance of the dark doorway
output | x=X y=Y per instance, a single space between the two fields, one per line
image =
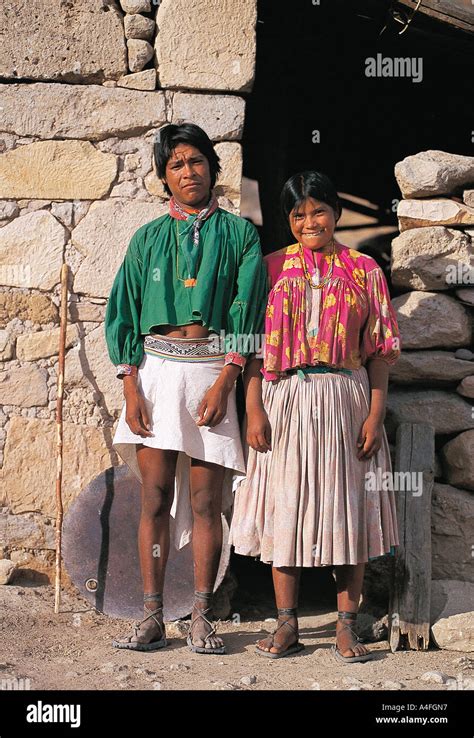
x=310 y=77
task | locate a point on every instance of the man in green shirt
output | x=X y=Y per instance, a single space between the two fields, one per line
x=188 y=278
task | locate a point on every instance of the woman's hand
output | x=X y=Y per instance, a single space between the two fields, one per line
x=259 y=431
x=213 y=406
x=136 y=414
x=370 y=438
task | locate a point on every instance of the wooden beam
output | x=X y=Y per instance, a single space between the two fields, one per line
x=410 y=596
x=453 y=12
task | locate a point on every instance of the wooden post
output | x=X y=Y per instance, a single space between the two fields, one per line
x=409 y=611
x=59 y=434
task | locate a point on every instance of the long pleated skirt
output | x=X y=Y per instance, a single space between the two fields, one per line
x=310 y=501
x=173 y=376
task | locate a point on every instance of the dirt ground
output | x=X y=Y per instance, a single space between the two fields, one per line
x=73 y=651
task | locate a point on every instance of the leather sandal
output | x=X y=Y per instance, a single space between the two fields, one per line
x=202 y=649
x=133 y=643
x=352 y=616
x=293 y=648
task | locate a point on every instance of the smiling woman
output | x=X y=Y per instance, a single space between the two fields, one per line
x=305 y=501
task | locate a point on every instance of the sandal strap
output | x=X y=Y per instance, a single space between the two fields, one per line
x=151 y=615
x=202 y=614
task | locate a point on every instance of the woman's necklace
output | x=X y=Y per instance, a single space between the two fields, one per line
x=190 y=281
x=313 y=281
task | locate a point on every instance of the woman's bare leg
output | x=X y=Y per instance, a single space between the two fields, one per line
x=286 y=584
x=349 y=580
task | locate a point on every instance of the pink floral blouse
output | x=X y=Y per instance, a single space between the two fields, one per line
x=356 y=318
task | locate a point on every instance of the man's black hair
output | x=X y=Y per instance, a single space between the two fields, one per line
x=188 y=133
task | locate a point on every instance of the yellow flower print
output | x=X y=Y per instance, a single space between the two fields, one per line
x=293 y=249
x=329 y=301
x=350 y=298
x=288 y=353
x=274 y=338
x=285 y=306
x=354 y=254
x=292 y=263
x=341 y=331
x=387 y=333
x=359 y=275
x=270 y=311
x=303 y=349
x=324 y=351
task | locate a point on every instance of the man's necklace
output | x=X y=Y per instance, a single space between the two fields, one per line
x=190 y=281
x=311 y=280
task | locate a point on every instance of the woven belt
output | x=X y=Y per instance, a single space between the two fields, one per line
x=303 y=371
x=183 y=349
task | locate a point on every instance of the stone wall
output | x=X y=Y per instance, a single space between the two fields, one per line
x=86 y=85
x=433 y=381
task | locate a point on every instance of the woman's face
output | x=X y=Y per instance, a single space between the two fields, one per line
x=312 y=223
x=188 y=176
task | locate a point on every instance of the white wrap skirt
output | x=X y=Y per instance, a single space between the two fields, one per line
x=173 y=376
x=310 y=501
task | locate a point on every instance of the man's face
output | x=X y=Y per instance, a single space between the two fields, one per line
x=188 y=176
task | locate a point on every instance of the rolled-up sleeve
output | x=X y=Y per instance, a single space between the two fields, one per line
x=245 y=325
x=122 y=318
x=380 y=334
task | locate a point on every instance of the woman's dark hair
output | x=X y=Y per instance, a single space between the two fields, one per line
x=188 y=133
x=308 y=184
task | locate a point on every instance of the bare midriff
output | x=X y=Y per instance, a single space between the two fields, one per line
x=182 y=331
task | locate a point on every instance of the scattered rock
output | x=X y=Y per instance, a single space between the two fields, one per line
x=439 y=212
x=424 y=258
x=139 y=53
x=137 y=26
x=248 y=680
x=433 y=173
x=7 y=570
x=145 y=80
x=457 y=456
x=464 y=354
x=466 y=389
x=455 y=632
x=136 y=6
x=452 y=527
x=466 y=295
x=432 y=320
x=420 y=367
x=435 y=677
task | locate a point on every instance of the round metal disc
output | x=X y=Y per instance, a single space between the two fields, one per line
x=100 y=550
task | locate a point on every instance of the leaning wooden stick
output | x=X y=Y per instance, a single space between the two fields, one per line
x=59 y=434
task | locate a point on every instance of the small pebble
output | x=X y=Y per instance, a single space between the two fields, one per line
x=315 y=685
x=248 y=680
x=270 y=620
x=156 y=685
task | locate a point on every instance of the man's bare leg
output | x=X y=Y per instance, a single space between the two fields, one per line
x=206 y=502
x=157 y=468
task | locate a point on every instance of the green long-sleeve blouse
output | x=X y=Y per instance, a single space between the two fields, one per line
x=230 y=294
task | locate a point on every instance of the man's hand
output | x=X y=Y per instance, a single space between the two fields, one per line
x=259 y=431
x=136 y=414
x=213 y=406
